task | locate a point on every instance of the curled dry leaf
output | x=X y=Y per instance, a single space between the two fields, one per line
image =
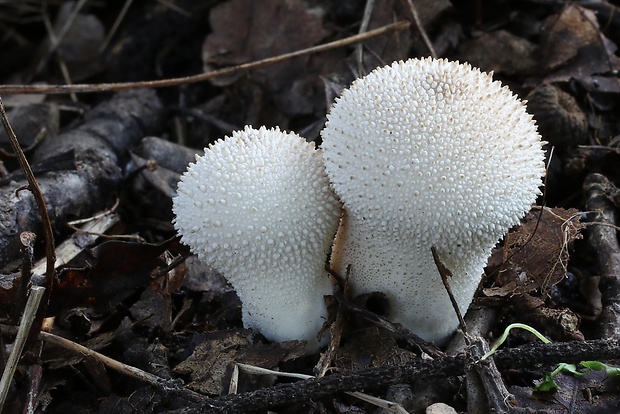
x=558 y=324
x=561 y=122
x=535 y=256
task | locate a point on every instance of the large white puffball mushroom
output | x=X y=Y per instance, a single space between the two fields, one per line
x=259 y=209
x=428 y=153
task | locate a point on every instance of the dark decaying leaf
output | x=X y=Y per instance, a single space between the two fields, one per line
x=593 y=393
x=557 y=324
x=499 y=51
x=560 y=120
x=246 y=30
x=211 y=363
x=574 y=47
x=32 y=124
x=114 y=267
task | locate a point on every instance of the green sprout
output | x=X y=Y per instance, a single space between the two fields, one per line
x=548 y=384
x=599 y=366
x=502 y=338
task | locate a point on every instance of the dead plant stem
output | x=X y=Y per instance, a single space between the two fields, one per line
x=83 y=88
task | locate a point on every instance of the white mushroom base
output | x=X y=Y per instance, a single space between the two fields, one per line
x=288 y=317
x=409 y=277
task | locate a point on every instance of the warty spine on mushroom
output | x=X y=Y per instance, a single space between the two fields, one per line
x=259 y=209
x=423 y=153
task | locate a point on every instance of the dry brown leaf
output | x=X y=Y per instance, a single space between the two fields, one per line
x=575 y=47
x=566 y=33
x=500 y=52
x=212 y=361
x=369 y=348
x=211 y=364
x=247 y=30
x=536 y=254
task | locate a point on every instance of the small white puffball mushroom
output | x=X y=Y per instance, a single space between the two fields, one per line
x=428 y=153
x=259 y=209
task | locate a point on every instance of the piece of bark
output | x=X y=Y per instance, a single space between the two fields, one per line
x=161 y=164
x=604 y=242
x=100 y=146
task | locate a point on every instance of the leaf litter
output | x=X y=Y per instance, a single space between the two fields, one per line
x=122 y=299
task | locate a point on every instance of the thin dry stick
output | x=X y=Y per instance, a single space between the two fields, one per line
x=96 y=217
x=30 y=312
x=48 y=235
x=33 y=186
x=161 y=383
x=83 y=88
x=418 y=23
x=336 y=330
x=117 y=23
x=445 y=274
x=359 y=49
x=61 y=62
x=172 y=6
x=55 y=41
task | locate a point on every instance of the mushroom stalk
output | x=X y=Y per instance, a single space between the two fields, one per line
x=258 y=208
x=428 y=153
x=406 y=274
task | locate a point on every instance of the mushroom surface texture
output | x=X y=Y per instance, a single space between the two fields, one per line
x=423 y=153
x=259 y=209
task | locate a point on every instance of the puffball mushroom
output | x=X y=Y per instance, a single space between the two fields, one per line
x=428 y=153
x=259 y=209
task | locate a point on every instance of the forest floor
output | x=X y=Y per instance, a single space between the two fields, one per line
x=111 y=100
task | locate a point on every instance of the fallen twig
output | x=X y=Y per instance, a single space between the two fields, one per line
x=82 y=88
x=604 y=242
x=373 y=378
x=30 y=313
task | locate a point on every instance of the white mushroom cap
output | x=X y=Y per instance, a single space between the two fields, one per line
x=259 y=209
x=428 y=153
